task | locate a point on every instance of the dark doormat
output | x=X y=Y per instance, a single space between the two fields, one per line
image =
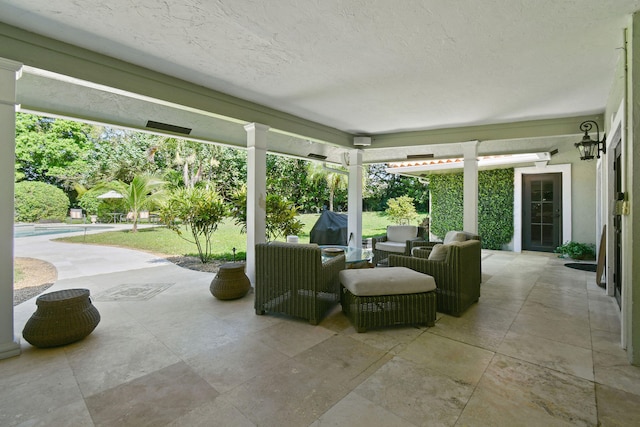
x=583 y=267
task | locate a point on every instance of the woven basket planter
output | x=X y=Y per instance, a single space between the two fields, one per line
x=231 y=282
x=62 y=317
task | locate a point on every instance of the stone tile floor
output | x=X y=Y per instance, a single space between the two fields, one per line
x=541 y=348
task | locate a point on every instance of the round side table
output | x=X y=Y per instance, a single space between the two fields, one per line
x=231 y=282
x=62 y=317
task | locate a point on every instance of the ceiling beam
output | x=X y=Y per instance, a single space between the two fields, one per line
x=494 y=132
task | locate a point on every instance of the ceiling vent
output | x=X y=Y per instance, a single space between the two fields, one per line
x=167 y=127
x=316 y=156
x=362 y=141
x=419 y=156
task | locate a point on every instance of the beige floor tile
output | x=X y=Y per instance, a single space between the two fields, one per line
x=155 y=399
x=292 y=336
x=341 y=359
x=235 y=363
x=416 y=393
x=574 y=331
x=74 y=414
x=615 y=371
x=517 y=393
x=604 y=314
x=35 y=385
x=110 y=357
x=497 y=298
x=606 y=342
x=392 y=339
x=213 y=413
x=291 y=394
x=482 y=325
x=356 y=411
x=616 y=407
x=549 y=310
x=455 y=359
x=551 y=354
x=485 y=336
x=570 y=298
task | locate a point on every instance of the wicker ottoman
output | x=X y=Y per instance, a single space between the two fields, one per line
x=387 y=296
x=62 y=317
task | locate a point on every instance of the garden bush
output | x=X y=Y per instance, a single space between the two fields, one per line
x=199 y=209
x=401 y=210
x=38 y=201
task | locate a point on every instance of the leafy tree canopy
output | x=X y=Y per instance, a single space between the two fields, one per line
x=52 y=151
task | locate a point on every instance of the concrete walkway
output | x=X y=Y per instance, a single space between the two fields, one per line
x=100 y=269
x=74 y=260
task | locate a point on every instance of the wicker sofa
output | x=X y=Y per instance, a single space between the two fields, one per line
x=292 y=279
x=458 y=275
x=398 y=240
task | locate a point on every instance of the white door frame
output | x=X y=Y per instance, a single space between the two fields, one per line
x=565 y=170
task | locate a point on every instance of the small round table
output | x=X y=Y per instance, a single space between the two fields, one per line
x=231 y=282
x=62 y=317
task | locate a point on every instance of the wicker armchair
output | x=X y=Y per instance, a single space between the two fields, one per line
x=292 y=279
x=457 y=277
x=398 y=240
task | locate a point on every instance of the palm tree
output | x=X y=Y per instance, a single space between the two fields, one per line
x=335 y=180
x=144 y=192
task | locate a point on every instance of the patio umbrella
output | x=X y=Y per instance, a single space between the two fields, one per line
x=111 y=194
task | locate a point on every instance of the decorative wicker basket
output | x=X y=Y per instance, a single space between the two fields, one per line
x=62 y=317
x=231 y=282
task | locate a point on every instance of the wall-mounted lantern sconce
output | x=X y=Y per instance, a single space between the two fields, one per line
x=587 y=147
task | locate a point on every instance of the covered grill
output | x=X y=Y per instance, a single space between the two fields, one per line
x=330 y=229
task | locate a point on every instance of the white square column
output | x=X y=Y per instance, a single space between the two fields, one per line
x=9 y=73
x=355 y=197
x=256 y=192
x=470 y=192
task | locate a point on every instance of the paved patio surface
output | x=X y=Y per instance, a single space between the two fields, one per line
x=540 y=348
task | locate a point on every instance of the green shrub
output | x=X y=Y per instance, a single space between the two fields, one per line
x=577 y=250
x=36 y=201
x=281 y=218
x=401 y=210
x=200 y=210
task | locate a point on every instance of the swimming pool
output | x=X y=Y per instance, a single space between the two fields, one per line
x=28 y=230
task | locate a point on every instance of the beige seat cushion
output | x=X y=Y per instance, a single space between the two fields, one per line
x=439 y=252
x=386 y=281
x=391 y=246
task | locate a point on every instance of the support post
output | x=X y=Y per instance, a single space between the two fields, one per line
x=9 y=73
x=256 y=192
x=470 y=198
x=355 y=196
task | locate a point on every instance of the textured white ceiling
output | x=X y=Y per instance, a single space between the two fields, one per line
x=363 y=66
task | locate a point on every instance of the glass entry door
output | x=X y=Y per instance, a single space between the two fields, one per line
x=542 y=212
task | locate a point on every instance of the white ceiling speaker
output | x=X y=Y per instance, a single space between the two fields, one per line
x=362 y=141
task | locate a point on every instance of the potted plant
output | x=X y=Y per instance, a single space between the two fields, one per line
x=576 y=250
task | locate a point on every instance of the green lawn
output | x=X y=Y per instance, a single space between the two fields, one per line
x=18 y=274
x=228 y=236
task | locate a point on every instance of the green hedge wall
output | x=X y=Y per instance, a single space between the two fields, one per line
x=35 y=201
x=495 y=205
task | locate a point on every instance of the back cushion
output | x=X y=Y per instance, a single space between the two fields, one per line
x=401 y=233
x=439 y=252
x=454 y=236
